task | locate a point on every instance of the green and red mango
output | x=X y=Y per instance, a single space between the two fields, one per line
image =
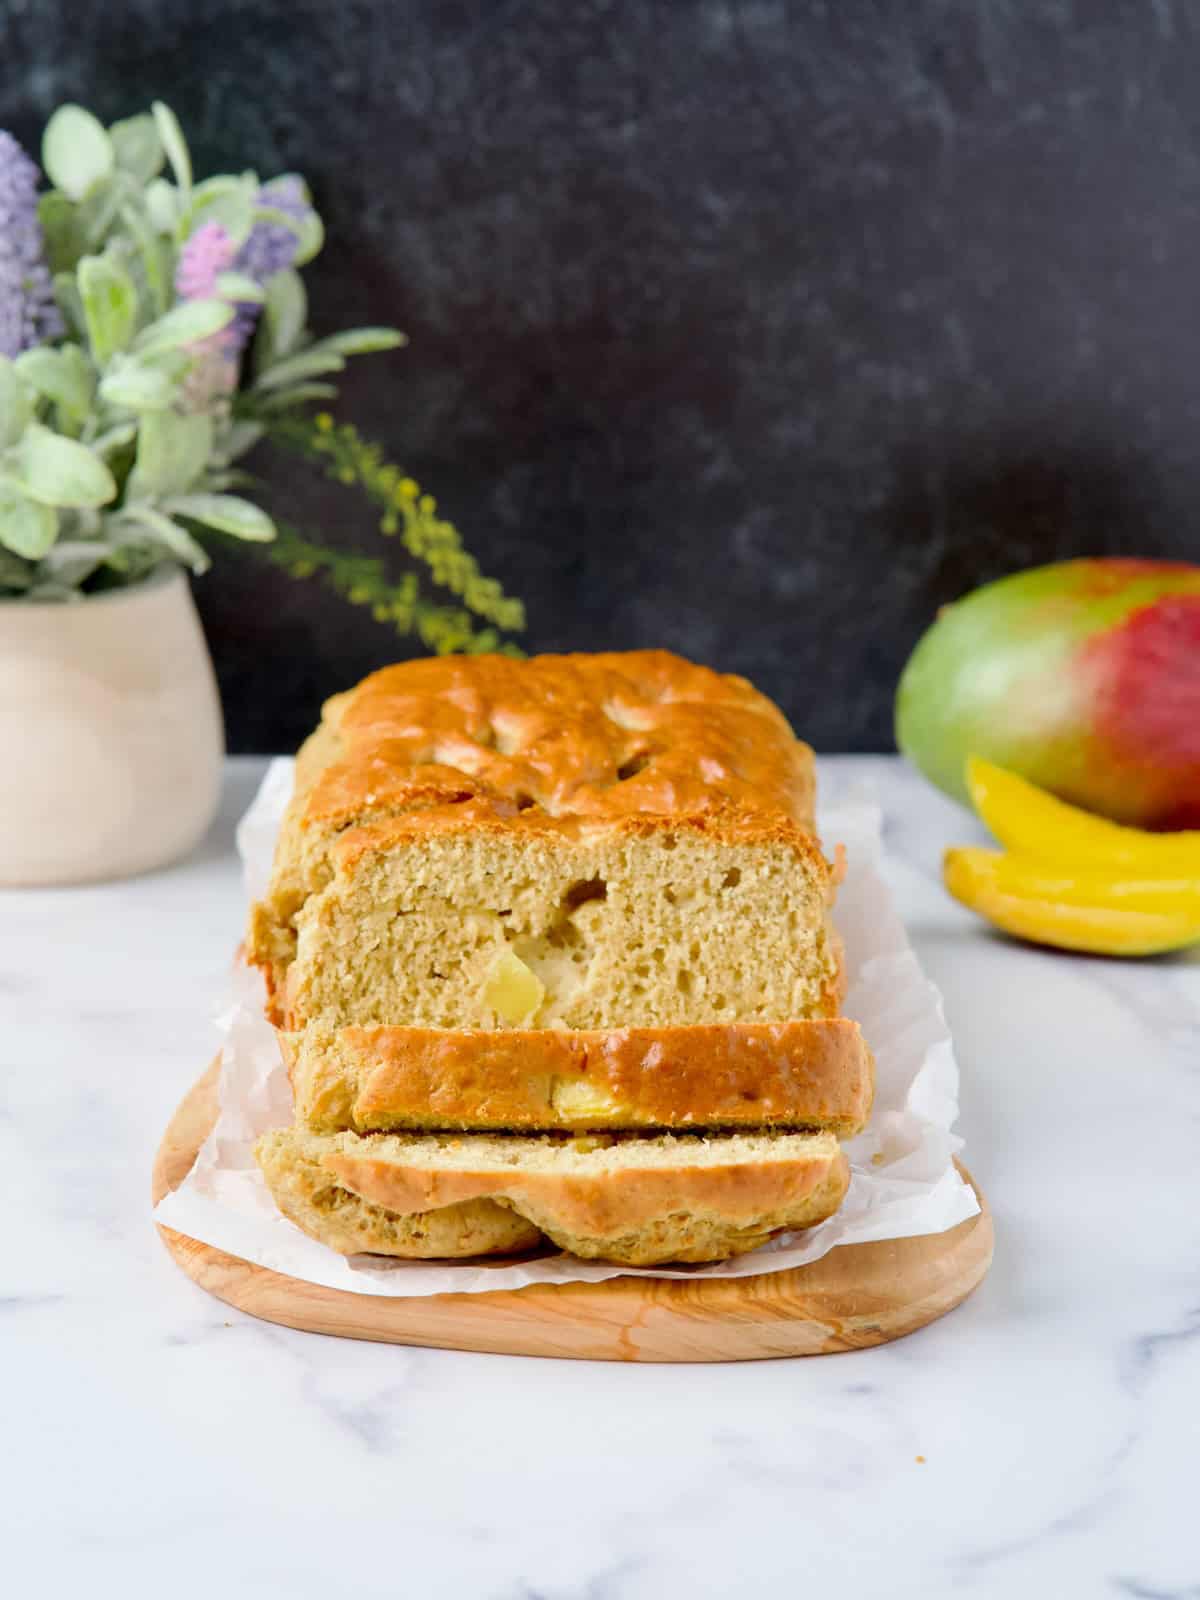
x=1084 y=677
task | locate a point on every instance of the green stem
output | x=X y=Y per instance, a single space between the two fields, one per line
x=363 y=581
x=346 y=457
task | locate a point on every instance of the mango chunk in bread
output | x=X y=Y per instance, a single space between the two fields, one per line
x=511 y=989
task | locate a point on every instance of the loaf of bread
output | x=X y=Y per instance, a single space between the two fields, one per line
x=809 y=1074
x=635 y=1199
x=516 y=901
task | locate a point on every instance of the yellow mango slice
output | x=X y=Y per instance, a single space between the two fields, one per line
x=1031 y=822
x=1073 y=910
x=512 y=990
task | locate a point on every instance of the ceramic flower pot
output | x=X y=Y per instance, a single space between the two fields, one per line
x=110 y=734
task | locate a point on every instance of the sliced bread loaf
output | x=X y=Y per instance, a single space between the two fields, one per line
x=812 y=1074
x=634 y=1199
x=470 y=920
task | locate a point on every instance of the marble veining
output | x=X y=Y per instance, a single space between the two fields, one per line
x=1040 y=1441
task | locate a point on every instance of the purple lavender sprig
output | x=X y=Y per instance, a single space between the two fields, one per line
x=271 y=246
x=28 y=314
x=204 y=256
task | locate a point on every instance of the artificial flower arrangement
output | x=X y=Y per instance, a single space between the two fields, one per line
x=153 y=329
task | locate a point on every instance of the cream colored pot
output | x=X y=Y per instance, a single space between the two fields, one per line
x=110 y=734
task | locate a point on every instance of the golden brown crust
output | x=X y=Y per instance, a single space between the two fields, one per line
x=815 y=1074
x=580 y=735
x=596 y=1205
x=640 y=740
x=306 y=1194
x=605 y=1201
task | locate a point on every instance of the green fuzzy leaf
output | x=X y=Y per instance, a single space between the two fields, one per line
x=242 y=436
x=362 y=341
x=227 y=201
x=15 y=575
x=285 y=311
x=59 y=472
x=308 y=364
x=227 y=513
x=312 y=237
x=189 y=322
x=173 y=143
x=98 y=210
x=175 y=364
x=137 y=147
x=63 y=375
x=238 y=286
x=109 y=299
x=66 y=293
x=72 y=560
x=27 y=529
x=16 y=404
x=154 y=256
x=62 y=231
x=76 y=151
x=299 y=394
x=138 y=386
x=170 y=535
x=172 y=453
x=162 y=205
x=115 y=438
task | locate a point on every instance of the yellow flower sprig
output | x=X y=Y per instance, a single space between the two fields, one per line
x=362 y=580
x=348 y=458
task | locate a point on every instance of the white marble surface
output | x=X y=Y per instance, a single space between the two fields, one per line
x=156 y=1442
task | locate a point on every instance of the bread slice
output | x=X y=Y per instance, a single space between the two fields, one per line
x=474 y=921
x=635 y=1200
x=813 y=1074
x=311 y=1197
x=571 y=841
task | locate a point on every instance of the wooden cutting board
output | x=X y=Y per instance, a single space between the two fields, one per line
x=855 y=1296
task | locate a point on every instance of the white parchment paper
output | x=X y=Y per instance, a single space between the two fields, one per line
x=904 y=1180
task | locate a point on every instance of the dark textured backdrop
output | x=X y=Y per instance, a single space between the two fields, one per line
x=755 y=330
